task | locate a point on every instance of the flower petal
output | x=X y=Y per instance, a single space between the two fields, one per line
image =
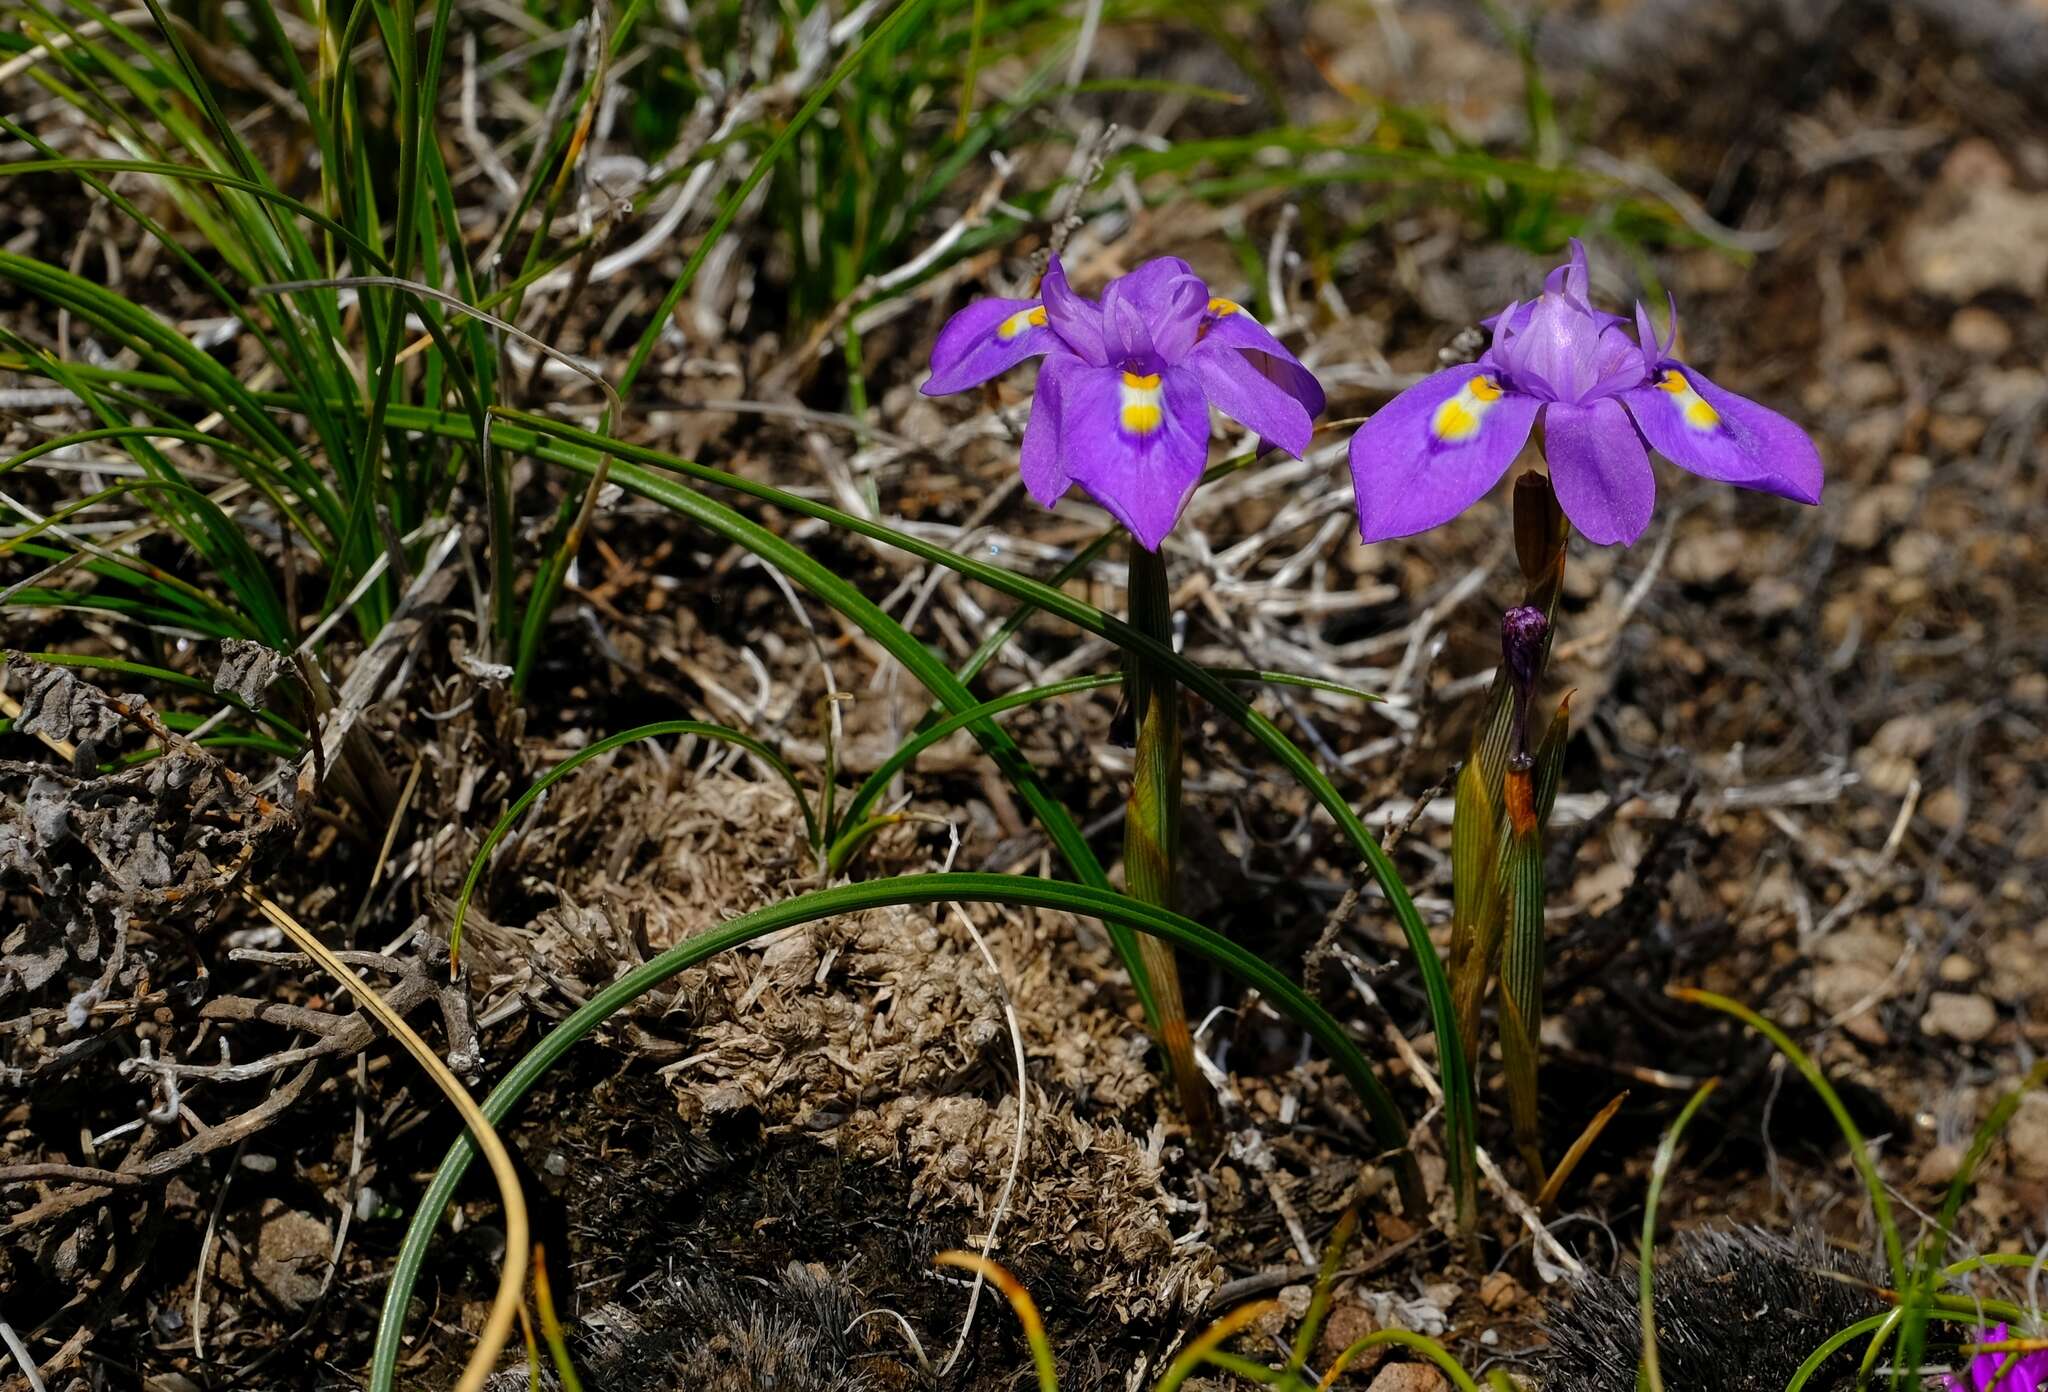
x=987 y=338
x=1236 y=387
x=1227 y=324
x=1077 y=320
x=1656 y=349
x=1136 y=442
x=1042 y=462
x=1719 y=435
x=1425 y=456
x=1599 y=470
x=1168 y=298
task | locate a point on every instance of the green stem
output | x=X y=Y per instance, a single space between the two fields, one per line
x=1152 y=821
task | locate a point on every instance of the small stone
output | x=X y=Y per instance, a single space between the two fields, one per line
x=1978 y=331
x=1348 y=1323
x=1938 y=1166
x=1409 y=1377
x=2027 y=1137
x=292 y=1252
x=1915 y=554
x=1867 y=1029
x=1866 y=383
x=1288 y=1308
x=1500 y=1292
x=1952 y=435
x=1973 y=162
x=1997 y=239
x=1967 y=1019
x=1839 y=987
x=1889 y=774
x=1707 y=556
x=1773 y=595
x=1943 y=807
x=1908 y=736
x=1957 y=970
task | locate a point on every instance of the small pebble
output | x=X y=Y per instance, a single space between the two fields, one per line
x=1956 y=969
x=1968 y=1019
x=1978 y=331
x=1409 y=1377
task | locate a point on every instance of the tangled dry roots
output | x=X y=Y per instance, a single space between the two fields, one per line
x=1737 y=1311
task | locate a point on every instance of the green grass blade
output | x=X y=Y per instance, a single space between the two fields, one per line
x=855 y=807
x=1087 y=901
x=1934 y=1247
x=824 y=582
x=1646 y=1253
x=529 y=434
x=1859 y=1149
x=883 y=33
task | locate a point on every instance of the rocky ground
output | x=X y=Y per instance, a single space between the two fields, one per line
x=1808 y=772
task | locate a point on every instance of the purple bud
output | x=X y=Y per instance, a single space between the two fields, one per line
x=1522 y=630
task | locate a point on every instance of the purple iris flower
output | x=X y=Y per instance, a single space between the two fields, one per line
x=1123 y=399
x=1601 y=394
x=2028 y=1373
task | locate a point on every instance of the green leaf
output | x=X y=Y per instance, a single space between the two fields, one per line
x=579 y=450
x=1015 y=890
x=1646 y=1254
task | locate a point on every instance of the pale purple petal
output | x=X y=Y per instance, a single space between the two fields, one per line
x=1125 y=335
x=1429 y=453
x=1228 y=325
x=1042 y=462
x=1719 y=435
x=1073 y=318
x=987 y=338
x=1237 y=388
x=1599 y=470
x=1138 y=450
x=1656 y=349
x=1574 y=282
x=1148 y=280
x=1168 y=298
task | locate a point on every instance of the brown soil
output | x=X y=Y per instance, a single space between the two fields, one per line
x=1809 y=773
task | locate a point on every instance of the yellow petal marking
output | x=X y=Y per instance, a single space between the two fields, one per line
x=1140 y=413
x=1032 y=318
x=1459 y=418
x=1695 y=410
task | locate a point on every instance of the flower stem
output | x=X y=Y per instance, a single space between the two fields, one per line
x=1152 y=824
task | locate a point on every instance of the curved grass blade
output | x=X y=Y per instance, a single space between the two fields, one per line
x=1646 y=1254
x=1835 y=1343
x=1859 y=1149
x=1421 y=1343
x=529 y=434
x=1084 y=900
x=1203 y=1347
x=813 y=103
x=1934 y=1247
x=702 y=729
x=849 y=821
x=1021 y=1302
x=891 y=636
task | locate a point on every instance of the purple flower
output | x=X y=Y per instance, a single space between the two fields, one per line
x=1123 y=397
x=2028 y=1373
x=1601 y=395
